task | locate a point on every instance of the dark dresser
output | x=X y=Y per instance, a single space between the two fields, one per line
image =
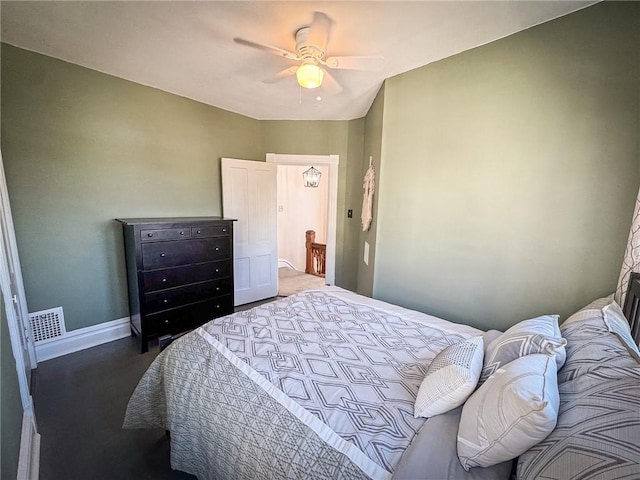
x=179 y=271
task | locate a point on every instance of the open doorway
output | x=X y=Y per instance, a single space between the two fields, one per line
x=302 y=210
x=302 y=229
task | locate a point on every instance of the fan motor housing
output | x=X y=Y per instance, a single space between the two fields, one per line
x=308 y=53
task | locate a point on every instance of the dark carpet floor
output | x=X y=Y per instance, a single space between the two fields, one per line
x=80 y=400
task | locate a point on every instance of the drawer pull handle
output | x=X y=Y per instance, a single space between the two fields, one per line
x=217 y=270
x=217 y=289
x=198 y=232
x=162 y=254
x=181 y=233
x=224 y=230
x=165 y=301
x=164 y=280
x=149 y=234
x=166 y=321
x=217 y=249
x=217 y=306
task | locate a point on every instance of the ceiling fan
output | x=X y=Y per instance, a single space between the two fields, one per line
x=311 y=46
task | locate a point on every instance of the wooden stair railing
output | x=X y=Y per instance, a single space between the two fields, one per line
x=316 y=253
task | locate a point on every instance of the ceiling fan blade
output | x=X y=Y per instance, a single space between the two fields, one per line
x=330 y=84
x=369 y=63
x=319 y=33
x=269 y=48
x=287 y=72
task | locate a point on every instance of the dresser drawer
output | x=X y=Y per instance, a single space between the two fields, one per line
x=180 y=296
x=186 y=318
x=172 y=321
x=165 y=234
x=214 y=231
x=171 y=254
x=176 y=276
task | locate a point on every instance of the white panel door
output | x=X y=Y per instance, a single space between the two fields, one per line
x=249 y=195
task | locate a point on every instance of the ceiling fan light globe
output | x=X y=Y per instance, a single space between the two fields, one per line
x=309 y=75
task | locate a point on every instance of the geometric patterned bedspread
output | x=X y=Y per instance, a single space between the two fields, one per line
x=311 y=386
x=597 y=436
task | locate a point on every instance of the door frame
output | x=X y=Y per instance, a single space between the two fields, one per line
x=13 y=323
x=20 y=327
x=19 y=334
x=332 y=162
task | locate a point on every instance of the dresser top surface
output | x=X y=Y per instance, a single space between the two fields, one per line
x=171 y=220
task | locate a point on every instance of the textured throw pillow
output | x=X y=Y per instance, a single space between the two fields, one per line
x=516 y=408
x=451 y=378
x=528 y=337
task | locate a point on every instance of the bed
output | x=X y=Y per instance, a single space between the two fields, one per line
x=323 y=384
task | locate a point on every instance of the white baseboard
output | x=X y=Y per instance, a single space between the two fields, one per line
x=82 y=338
x=284 y=263
x=29 y=459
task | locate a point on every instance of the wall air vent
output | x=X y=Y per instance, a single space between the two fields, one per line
x=47 y=324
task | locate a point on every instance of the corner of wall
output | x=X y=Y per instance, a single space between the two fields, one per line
x=373 y=131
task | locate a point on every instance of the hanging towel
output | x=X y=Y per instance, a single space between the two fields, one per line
x=367 y=201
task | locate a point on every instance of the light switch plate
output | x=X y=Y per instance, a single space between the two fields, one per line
x=366 y=253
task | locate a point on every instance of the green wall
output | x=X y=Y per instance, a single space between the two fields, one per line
x=372 y=148
x=506 y=174
x=81 y=148
x=509 y=172
x=343 y=138
x=353 y=201
x=10 y=403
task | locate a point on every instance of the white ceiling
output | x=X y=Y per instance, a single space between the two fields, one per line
x=187 y=48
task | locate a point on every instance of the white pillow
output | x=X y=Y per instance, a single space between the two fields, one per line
x=516 y=408
x=617 y=324
x=525 y=338
x=451 y=378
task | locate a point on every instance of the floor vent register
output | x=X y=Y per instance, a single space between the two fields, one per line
x=47 y=324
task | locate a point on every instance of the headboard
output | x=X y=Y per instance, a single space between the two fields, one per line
x=632 y=305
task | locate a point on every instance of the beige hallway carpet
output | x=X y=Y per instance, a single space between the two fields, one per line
x=292 y=281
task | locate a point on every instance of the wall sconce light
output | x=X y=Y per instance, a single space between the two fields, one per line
x=311 y=177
